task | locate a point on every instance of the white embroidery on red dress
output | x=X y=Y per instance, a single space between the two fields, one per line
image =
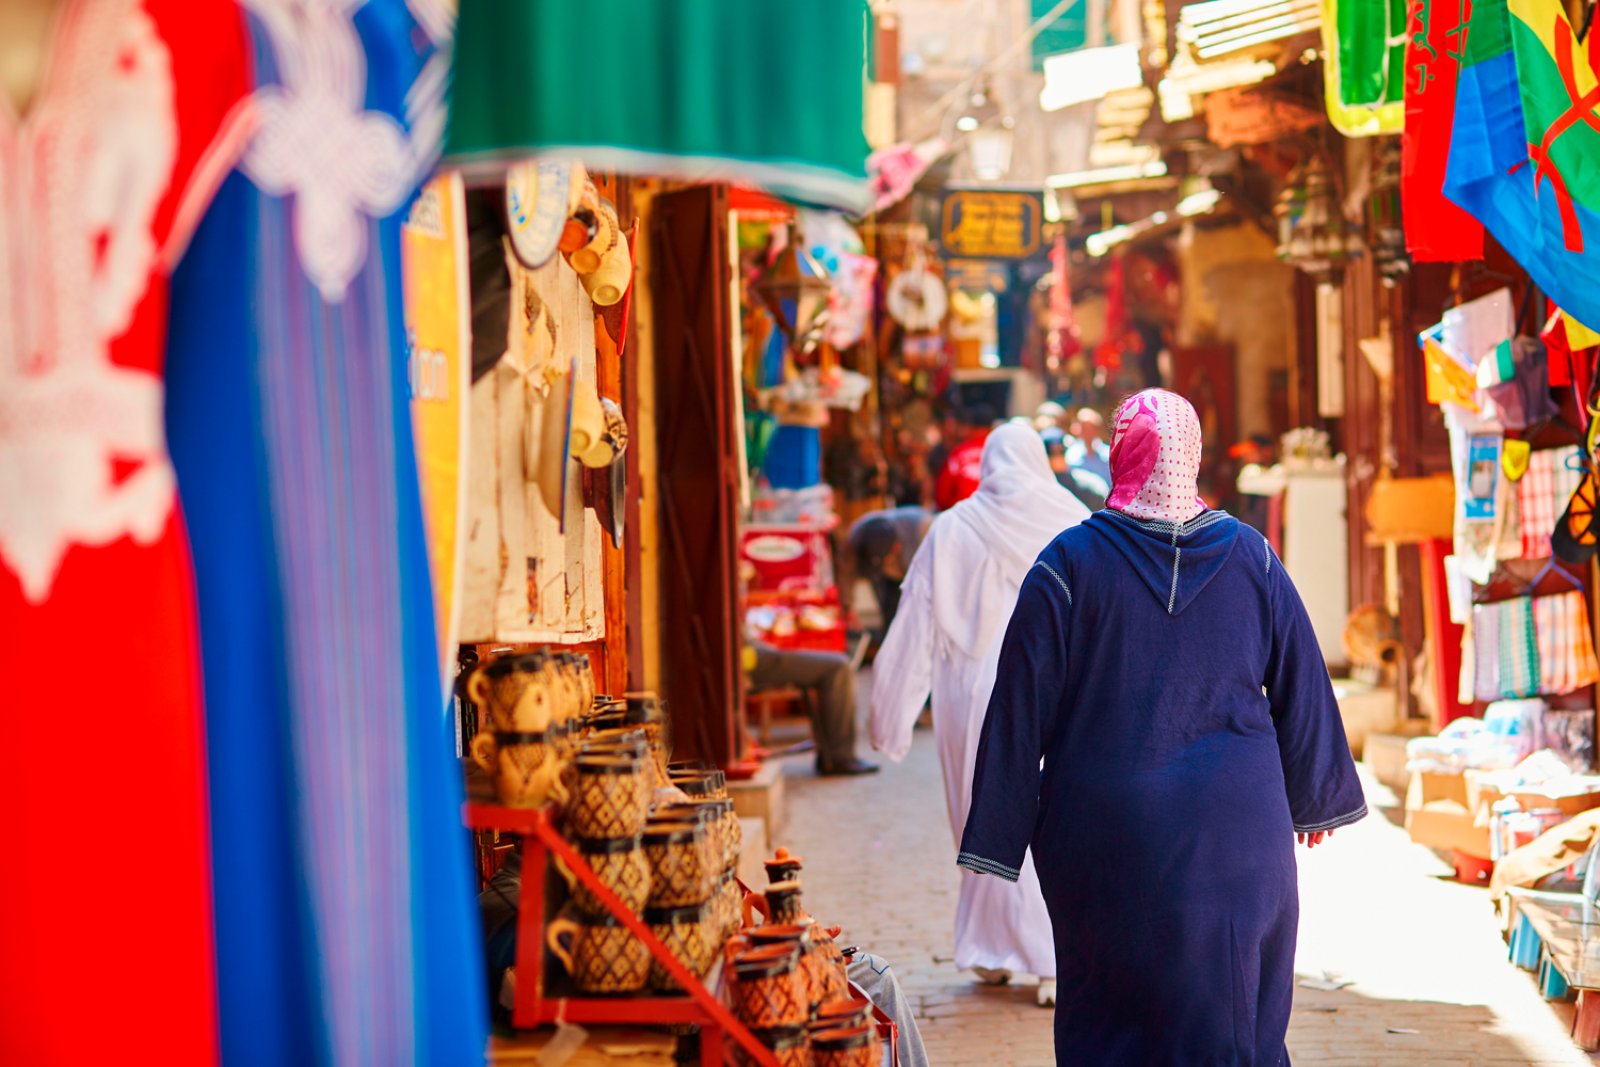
x=83 y=455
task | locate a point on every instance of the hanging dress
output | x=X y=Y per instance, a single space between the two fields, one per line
x=105 y=901
x=945 y=640
x=347 y=931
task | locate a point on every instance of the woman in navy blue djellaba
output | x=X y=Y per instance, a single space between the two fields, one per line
x=1161 y=666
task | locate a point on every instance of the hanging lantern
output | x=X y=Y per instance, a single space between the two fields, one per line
x=1384 y=222
x=795 y=289
x=1312 y=232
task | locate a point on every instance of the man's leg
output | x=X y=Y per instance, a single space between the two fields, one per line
x=877 y=980
x=887 y=590
x=833 y=714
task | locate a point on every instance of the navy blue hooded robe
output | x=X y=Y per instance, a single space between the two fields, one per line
x=1170 y=681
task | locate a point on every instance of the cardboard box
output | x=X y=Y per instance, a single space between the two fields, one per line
x=1482 y=796
x=1438 y=816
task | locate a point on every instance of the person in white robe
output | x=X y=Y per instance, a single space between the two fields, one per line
x=945 y=642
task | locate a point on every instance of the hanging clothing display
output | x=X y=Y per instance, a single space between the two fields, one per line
x=1519 y=648
x=346 y=931
x=955 y=601
x=1437 y=231
x=1566 y=643
x=1520 y=152
x=1542 y=495
x=136 y=118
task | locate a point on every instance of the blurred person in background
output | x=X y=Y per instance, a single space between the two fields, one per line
x=879 y=548
x=1088 y=488
x=958 y=478
x=1088 y=449
x=1050 y=419
x=945 y=643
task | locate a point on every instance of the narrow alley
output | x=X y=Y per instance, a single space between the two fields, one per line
x=1428 y=980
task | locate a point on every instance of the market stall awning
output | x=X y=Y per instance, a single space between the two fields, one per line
x=762 y=94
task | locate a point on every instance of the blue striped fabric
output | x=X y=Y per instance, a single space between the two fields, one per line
x=347 y=932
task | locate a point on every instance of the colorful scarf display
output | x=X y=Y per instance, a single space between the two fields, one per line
x=1525 y=136
x=1519 y=649
x=1542 y=495
x=1567 y=660
x=1155 y=458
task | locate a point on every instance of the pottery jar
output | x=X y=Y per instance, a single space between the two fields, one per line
x=768 y=990
x=783 y=903
x=789 y=1045
x=524 y=767
x=842 y=1013
x=515 y=693
x=621 y=866
x=586 y=260
x=844 y=1047
x=703 y=785
x=703 y=816
x=729 y=896
x=600 y=954
x=587 y=683
x=823 y=983
x=689 y=934
x=679 y=872
x=609 y=798
x=712 y=814
x=783 y=867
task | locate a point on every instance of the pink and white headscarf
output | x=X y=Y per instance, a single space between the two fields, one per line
x=1155 y=458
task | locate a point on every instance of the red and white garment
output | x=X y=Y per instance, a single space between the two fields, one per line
x=135 y=122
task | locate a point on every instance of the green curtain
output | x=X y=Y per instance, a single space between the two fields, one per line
x=760 y=92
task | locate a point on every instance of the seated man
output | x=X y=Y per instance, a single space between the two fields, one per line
x=832 y=680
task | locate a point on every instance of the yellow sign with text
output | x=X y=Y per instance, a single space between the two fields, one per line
x=986 y=224
x=439 y=369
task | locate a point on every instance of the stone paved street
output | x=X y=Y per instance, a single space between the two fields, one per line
x=1430 y=981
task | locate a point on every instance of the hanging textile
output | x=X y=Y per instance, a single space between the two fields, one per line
x=1486 y=652
x=757 y=94
x=1524 y=141
x=346 y=932
x=1519 y=648
x=1570 y=348
x=1566 y=644
x=1437 y=231
x=1364 y=75
x=1542 y=495
x=105 y=899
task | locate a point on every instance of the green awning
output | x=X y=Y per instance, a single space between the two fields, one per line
x=761 y=92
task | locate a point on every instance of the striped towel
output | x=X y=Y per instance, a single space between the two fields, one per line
x=1519 y=649
x=1486 y=651
x=1542 y=497
x=1566 y=645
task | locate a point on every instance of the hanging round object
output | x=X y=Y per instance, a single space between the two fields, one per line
x=538 y=201
x=917 y=300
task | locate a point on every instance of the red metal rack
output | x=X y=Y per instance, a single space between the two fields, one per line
x=533 y=1008
x=700 y=1008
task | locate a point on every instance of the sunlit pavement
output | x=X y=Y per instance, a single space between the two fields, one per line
x=1429 y=981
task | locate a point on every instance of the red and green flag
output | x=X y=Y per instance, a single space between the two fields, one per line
x=1525 y=155
x=1437 y=231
